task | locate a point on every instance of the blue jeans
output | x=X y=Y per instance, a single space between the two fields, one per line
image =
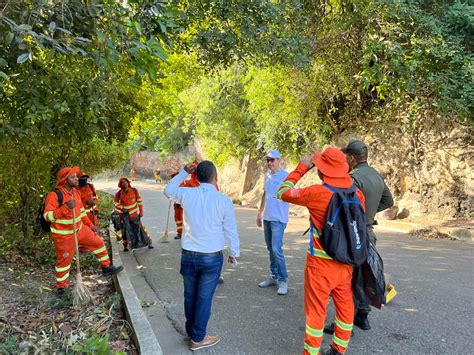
x=200 y=276
x=273 y=231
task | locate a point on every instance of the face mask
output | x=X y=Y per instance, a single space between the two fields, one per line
x=82 y=182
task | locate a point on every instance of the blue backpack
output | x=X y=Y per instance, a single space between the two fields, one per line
x=344 y=235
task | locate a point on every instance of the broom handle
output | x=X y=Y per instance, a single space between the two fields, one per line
x=168 y=219
x=75 y=239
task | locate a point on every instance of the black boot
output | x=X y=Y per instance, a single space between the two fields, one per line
x=111 y=270
x=178 y=236
x=362 y=321
x=329 y=329
x=331 y=351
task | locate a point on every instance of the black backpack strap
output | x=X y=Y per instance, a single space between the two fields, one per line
x=135 y=192
x=94 y=193
x=59 y=195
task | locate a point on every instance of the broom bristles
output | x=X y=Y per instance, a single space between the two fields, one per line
x=80 y=293
x=164 y=238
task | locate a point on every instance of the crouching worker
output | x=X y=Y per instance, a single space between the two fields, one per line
x=129 y=204
x=60 y=206
x=324 y=275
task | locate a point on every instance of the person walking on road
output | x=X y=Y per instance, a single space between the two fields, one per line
x=323 y=275
x=377 y=198
x=273 y=215
x=58 y=210
x=209 y=222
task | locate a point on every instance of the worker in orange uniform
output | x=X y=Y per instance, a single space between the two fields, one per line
x=323 y=275
x=129 y=203
x=192 y=181
x=133 y=173
x=89 y=198
x=60 y=215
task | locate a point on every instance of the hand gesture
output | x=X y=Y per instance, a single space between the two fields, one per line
x=190 y=167
x=308 y=161
x=71 y=204
x=259 y=219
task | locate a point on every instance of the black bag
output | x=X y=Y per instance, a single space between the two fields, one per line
x=44 y=224
x=114 y=217
x=368 y=281
x=344 y=235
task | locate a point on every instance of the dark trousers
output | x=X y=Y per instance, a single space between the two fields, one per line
x=362 y=308
x=200 y=276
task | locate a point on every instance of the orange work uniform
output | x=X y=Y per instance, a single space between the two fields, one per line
x=323 y=275
x=62 y=230
x=129 y=201
x=88 y=193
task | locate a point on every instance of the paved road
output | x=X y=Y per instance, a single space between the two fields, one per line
x=433 y=312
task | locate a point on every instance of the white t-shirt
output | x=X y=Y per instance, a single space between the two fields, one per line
x=275 y=209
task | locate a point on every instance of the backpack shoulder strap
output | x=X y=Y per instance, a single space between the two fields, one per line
x=94 y=193
x=59 y=194
x=135 y=192
x=119 y=193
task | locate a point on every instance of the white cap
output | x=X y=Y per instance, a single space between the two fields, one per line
x=275 y=154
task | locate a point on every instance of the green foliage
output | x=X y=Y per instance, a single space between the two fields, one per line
x=94 y=344
x=226 y=31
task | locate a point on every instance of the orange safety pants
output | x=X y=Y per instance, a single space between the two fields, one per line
x=321 y=278
x=65 y=251
x=178 y=218
x=93 y=218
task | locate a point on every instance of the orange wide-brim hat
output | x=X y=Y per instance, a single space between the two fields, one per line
x=66 y=172
x=331 y=162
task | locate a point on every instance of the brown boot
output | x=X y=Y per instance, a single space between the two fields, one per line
x=209 y=340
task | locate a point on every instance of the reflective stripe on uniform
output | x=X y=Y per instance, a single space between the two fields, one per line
x=61 y=269
x=285 y=186
x=344 y=326
x=49 y=216
x=340 y=342
x=65 y=232
x=319 y=253
x=59 y=279
x=100 y=250
x=314 y=332
x=311 y=349
x=67 y=221
x=130 y=206
x=106 y=257
x=133 y=211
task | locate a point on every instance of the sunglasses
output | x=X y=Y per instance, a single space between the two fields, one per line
x=270 y=160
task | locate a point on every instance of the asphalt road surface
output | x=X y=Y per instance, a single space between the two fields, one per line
x=432 y=313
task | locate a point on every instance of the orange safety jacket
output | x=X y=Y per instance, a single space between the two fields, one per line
x=61 y=216
x=88 y=193
x=129 y=201
x=316 y=198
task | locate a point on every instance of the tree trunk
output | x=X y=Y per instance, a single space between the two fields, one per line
x=25 y=208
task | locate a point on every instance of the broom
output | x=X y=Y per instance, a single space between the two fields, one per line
x=164 y=238
x=80 y=293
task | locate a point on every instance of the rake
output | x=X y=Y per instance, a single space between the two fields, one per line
x=80 y=293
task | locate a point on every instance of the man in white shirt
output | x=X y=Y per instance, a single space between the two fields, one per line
x=209 y=221
x=273 y=214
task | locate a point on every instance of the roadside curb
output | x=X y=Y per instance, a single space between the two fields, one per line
x=142 y=333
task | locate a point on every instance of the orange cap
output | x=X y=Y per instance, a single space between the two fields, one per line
x=331 y=162
x=64 y=173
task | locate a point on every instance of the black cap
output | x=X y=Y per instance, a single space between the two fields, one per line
x=354 y=147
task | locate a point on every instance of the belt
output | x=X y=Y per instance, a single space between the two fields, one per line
x=198 y=253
